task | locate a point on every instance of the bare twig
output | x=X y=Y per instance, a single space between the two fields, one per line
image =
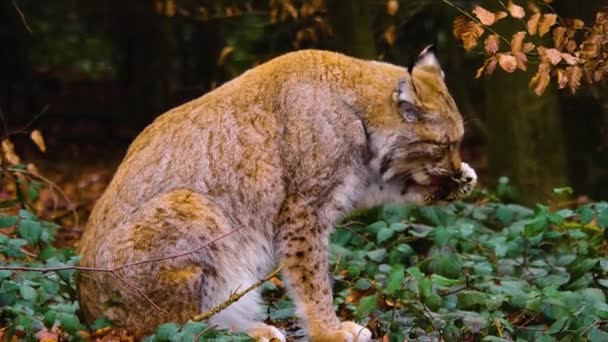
x=52 y=186
x=236 y=296
x=22 y=16
x=114 y=270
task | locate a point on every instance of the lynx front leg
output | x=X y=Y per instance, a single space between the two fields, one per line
x=302 y=244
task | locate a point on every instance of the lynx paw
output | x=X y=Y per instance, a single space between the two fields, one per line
x=466 y=178
x=266 y=333
x=358 y=333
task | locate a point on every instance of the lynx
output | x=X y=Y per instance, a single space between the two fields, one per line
x=275 y=156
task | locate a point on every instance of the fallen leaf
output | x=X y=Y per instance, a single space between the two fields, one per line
x=486 y=17
x=507 y=62
x=546 y=22
x=517 y=41
x=491 y=44
x=515 y=10
x=532 y=24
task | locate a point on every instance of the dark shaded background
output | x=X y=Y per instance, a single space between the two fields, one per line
x=91 y=74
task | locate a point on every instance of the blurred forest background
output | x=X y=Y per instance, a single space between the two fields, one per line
x=91 y=74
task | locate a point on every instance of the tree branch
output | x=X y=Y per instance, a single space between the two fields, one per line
x=236 y=296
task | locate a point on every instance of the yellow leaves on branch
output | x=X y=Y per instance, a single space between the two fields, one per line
x=37 y=138
x=507 y=62
x=516 y=11
x=546 y=22
x=486 y=17
x=541 y=80
x=467 y=31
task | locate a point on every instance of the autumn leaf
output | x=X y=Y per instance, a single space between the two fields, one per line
x=546 y=22
x=574 y=79
x=517 y=41
x=467 y=31
x=528 y=47
x=559 y=37
x=507 y=62
x=569 y=59
x=522 y=60
x=541 y=80
x=486 y=17
x=532 y=24
x=491 y=44
x=9 y=152
x=492 y=65
x=392 y=7
x=390 y=35
x=562 y=78
x=515 y=10
x=550 y=56
x=37 y=138
x=500 y=15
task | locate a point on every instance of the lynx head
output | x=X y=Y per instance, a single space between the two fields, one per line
x=423 y=145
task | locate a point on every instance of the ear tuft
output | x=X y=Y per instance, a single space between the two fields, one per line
x=428 y=58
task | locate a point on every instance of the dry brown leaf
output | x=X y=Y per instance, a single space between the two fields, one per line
x=533 y=7
x=500 y=15
x=517 y=41
x=571 y=46
x=390 y=35
x=516 y=11
x=226 y=51
x=522 y=60
x=491 y=44
x=486 y=17
x=546 y=22
x=492 y=65
x=467 y=31
x=574 y=81
x=562 y=78
x=551 y=56
x=392 y=7
x=507 y=62
x=31 y=168
x=559 y=37
x=569 y=59
x=9 y=152
x=528 y=47
x=37 y=138
x=541 y=80
x=532 y=24
x=480 y=71
x=547 y=1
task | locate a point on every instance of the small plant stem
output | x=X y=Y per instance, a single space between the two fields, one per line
x=236 y=296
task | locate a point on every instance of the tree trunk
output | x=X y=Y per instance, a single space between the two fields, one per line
x=525 y=137
x=352 y=25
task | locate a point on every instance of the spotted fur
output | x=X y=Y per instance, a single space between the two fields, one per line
x=280 y=153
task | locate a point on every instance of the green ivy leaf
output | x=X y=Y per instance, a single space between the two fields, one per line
x=27 y=292
x=559 y=325
x=377 y=255
x=30 y=230
x=366 y=306
x=405 y=249
x=425 y=286
x=50 y=317
x=384 y=234
x=8 y=221
x=166 y=331
x=69 y=322
x=395 y=279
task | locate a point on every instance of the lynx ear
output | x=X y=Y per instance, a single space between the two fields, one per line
x=404 y=97
x=427 y=58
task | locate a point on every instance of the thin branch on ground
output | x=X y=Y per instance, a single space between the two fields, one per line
x=236 y=296
x=114 y=270
x=22 y=16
